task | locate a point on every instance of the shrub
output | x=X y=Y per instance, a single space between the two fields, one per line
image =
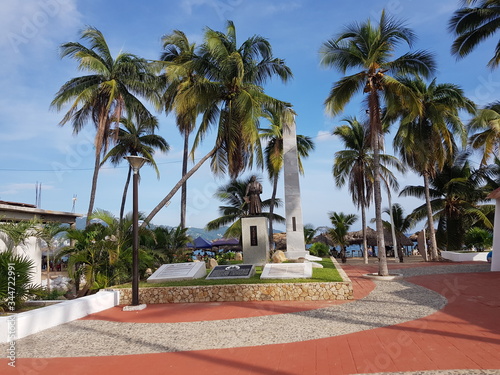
x=319 y=249
x=16 y=271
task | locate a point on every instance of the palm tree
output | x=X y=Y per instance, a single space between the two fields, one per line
x=401 y=224
x=456 y=196
x=370 y=47
x=487 y=120
x=426 y=141
x=48 y=233
x=236 y=207
x=137 y=139
x=309 y=233
x=273 y=156
x=179 y=54
x=341 y=225
x=168 y=242
x=231 y=98
x=105 y=94
x=354 y=165
x=473 y=25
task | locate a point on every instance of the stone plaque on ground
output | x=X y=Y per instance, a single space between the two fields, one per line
x=239 y=271
x=178 y=271
x=287 y=271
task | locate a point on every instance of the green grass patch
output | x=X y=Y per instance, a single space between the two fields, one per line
x=327 y=274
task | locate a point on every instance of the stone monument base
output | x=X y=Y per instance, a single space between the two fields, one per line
x=255 y=240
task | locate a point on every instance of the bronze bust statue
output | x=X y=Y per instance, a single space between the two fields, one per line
x=252 y=196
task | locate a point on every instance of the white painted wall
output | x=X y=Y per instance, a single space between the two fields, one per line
x=30 y=322
x=32 y=249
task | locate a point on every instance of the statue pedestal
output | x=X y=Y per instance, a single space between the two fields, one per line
x=255 y=240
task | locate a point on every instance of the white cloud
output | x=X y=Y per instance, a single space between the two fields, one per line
x=16 y=188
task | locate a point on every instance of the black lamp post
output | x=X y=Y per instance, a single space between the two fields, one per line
x=136 y=162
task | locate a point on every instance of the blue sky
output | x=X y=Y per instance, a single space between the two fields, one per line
x=33 y=148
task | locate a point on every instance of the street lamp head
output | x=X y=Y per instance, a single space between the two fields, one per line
x=136 y=162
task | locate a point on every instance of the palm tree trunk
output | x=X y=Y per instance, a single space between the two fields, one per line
x=375 y=126
x=93 y=189
x=184 y=185
x=271 y=211
x=363 y=230
x=393 y=230
x=125 y=190
x=48 y=269
x=177 y=186
x=430 y=220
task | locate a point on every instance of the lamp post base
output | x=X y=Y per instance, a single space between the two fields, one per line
x=134 y=308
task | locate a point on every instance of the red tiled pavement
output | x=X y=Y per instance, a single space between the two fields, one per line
x=464 y=335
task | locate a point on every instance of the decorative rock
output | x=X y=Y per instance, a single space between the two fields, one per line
x=279 y=257
x=212 y=263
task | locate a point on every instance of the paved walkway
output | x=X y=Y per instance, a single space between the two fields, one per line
x=465 y=335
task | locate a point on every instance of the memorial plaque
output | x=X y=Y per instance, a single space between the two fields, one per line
x=178 y=271
x=240 y=271
x=287 y=271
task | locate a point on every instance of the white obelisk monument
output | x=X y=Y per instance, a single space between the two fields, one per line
x=495 y=259
x=295 y=244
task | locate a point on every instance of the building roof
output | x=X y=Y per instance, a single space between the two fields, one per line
x=13 y=211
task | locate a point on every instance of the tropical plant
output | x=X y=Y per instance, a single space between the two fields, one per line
x=101 y=254
x=105 y=94
x=472 y=25
x=136 y=139
x=16 y=233
x=370 y=48
x=236 y=207
x=341 y=224
x=232 y=99
x=487 y=120
x=168 y=242
x=478 y=238
x=309 y=233
x=354 y=166
x=273 y=154
x=457 y=197
x=319 y=249
x=179 y=55
x=16 y=271
x=48 y=233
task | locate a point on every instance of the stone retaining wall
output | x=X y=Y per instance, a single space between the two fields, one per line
x=244 y=292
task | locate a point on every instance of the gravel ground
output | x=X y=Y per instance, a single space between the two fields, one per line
x=390 y=303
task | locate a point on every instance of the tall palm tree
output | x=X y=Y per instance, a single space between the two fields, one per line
x=487 y=120
x=401 y=224
x=137 y=139
x=426 y=141
x=273 y=155
x=341 y=225
x=354 y=165
x=178 y=55
x=232 y=99
x=236 y=207
x=104 y=94
x=472 y=25
x=457 y=195
x=370 y=48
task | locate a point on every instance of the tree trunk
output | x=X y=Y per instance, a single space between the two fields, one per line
x=177 y=186
x=375 y=126
x=184 y=185
x=271 y=211
x=430 y=219
x=393 y=230
x=363 y=229
x=93 y=189
x=125 y=190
